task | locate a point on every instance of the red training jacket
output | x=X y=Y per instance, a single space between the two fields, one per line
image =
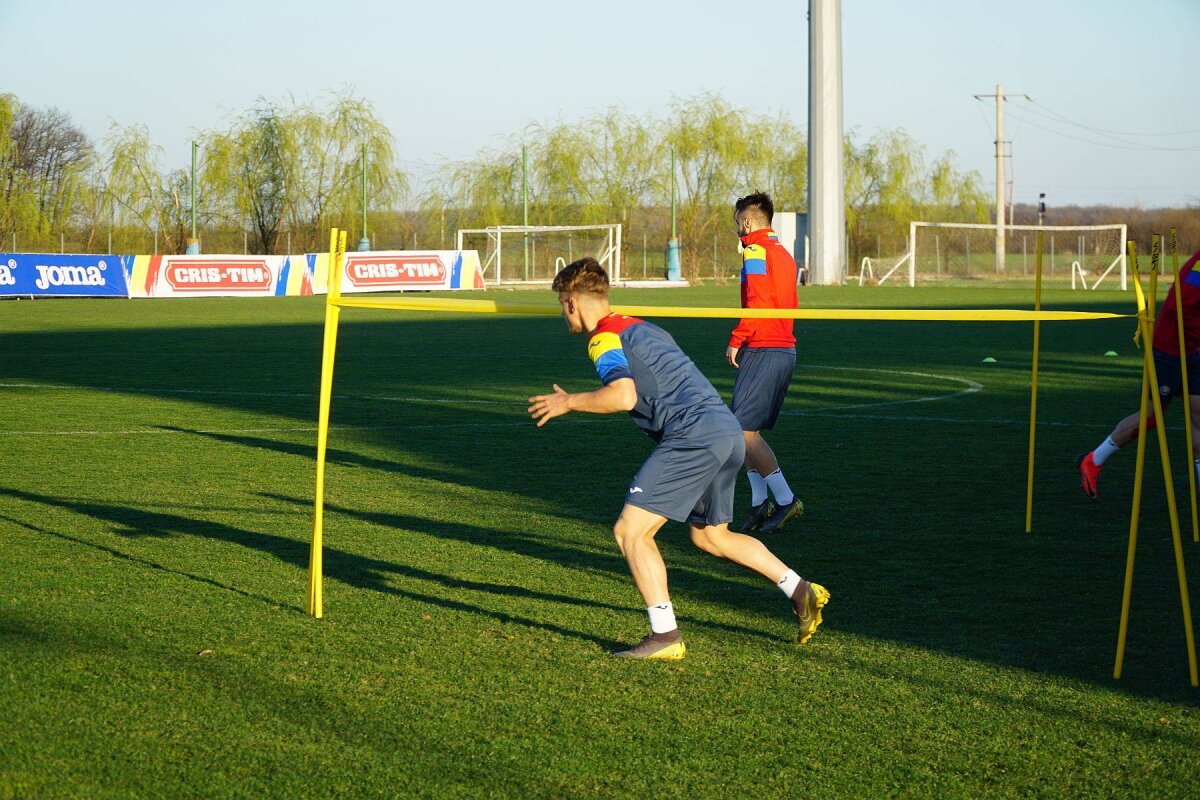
x=768 y=281
x=1166 y=328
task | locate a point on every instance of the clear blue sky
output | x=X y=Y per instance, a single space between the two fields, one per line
x=451 y=77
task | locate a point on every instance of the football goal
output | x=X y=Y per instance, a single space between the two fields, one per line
x=511 y=254
x=1087 y=256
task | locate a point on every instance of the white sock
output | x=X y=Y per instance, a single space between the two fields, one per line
x=662 y=618
x=758 y=487
x=779 y=487
x=1103 y=451
x=789 y=582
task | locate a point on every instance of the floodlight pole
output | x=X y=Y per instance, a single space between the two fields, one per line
x=674 y=272
x=193 y=244
x=672 y=192
x=103 y=197
x=364 y=244
x=193 y=187
x=826 y=144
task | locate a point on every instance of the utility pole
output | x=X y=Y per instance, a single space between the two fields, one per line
x=1000 y=205
x=525 y=203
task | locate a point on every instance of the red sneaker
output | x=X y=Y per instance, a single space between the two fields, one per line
x=1089 y=474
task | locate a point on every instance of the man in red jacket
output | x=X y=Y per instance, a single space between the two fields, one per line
x=763 y=351
x=1168 y=366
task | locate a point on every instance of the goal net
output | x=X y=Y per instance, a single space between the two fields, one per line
x=1083 y=256
x=517 y=254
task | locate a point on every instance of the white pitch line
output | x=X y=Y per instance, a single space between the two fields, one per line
x=951 y=420
x=236 y=393
x=828 y=412
x=972 y=387
x=298 y=429
x=312 y=428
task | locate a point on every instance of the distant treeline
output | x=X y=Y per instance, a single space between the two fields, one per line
x=1143 y=222
x=276 y=177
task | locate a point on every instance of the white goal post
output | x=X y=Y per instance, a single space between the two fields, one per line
x=516 y=254
x=939 y=251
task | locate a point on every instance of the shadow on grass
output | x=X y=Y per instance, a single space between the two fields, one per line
x=916 y=506
x=550 y=550
x=346 y=458
x=352 y=569
x=154 y=565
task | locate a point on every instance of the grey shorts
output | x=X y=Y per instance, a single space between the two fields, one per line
x=1170 y=376
x=760 y=385
x=690 y=481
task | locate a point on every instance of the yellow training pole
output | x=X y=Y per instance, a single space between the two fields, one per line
x=1152 y=300
x=337 y=246
x=1173 y=244
x=1037 y=330
x=1150 y=384
x=1175 y=537
x=1137 y=476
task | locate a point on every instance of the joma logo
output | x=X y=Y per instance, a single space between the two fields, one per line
x=50 y=275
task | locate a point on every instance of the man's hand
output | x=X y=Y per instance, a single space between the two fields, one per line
x=545 y=407
x=731 y=354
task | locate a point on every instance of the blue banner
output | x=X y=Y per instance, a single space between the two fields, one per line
x=59 y=275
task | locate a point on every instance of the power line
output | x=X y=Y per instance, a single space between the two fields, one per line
x=1061 y=118
x=1123 y=146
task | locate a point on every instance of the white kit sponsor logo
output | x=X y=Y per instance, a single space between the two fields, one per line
x=52 y=275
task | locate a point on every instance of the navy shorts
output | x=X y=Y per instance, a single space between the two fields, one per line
x=690 y=481
x=1170 y=376
x=760 y=385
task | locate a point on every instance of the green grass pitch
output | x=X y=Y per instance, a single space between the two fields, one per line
x=155 y=511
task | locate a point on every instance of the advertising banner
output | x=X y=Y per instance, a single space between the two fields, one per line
x=59 y=275
x=219 y=276
x=400 y=270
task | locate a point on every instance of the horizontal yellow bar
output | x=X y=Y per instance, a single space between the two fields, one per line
x=902 y=314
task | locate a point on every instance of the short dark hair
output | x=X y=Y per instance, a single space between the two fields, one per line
x=585 y=275
x=759 y=201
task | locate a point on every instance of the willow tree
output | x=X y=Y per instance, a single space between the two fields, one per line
x=953 y=195
x=146 y=194
x=18 y=198
x=487 y=190
x=324 y=144
x=245 y=170
x=298 y=166
x=625 y=168
x=889 y=184
x=724 y=152
x=615 y=167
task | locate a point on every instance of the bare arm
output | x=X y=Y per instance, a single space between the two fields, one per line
x=620 y=395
